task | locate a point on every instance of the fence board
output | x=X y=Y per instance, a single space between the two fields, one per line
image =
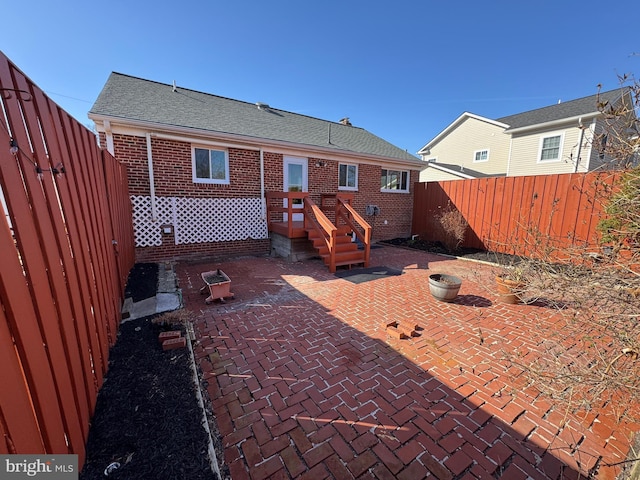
x=521 y=215
x=61 y=280
x=52 y=297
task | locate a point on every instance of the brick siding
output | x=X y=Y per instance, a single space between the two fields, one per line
x=173 y=177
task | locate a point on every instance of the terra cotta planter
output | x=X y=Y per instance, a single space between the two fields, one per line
x=509 y=291
x=219 y=285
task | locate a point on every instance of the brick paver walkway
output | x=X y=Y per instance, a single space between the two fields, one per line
x=306 y=381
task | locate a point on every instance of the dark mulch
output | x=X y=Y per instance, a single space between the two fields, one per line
x=147 y=416
x=142 y=282
x=468 y=253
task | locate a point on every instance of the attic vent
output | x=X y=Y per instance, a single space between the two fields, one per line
x=345 y=121
x=262 y=106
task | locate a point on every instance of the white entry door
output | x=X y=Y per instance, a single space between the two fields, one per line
x=295 y=179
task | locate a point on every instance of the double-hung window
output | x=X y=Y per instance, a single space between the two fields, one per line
x=394 y=180
x=347 y=176
x=550 y=148
x=481 y=155
x=210 y=165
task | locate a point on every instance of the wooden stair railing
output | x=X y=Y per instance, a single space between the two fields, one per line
x=334 y=243
x=357 y=224
x=318 y=225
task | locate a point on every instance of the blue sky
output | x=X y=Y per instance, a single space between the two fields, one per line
x=403 y=70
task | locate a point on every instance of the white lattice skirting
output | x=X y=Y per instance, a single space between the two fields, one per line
x=198 y=220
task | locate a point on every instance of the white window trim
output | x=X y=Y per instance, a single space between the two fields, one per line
x=397 y=190
x=211 y=181
x=560 y=147
x=479 y=151
x=346 y=188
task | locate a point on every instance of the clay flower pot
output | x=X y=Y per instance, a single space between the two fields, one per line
x=509 y=291
x=444 y=287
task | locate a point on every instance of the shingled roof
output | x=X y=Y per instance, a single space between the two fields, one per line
x=571 y=109
x=135 y=99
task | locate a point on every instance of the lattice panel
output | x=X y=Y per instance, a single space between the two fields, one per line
x=198 y=220
x=147 y=233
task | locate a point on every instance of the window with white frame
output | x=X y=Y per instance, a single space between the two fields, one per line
x=394 y=180
x=210 y=165
x=481 y=155
x=347 y=176
x=550 y=148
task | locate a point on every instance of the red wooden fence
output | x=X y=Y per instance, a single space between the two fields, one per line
x=66 y=247
x=520 y=215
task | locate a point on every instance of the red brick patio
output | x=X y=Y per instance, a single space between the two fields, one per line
x=306 y=382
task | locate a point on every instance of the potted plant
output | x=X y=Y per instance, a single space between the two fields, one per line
x=511 y=285
x=444 y=287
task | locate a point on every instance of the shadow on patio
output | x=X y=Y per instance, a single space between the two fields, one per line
x=306 y=382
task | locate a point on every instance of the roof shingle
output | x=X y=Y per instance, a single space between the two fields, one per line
x=130 y=98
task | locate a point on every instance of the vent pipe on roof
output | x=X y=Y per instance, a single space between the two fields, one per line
x=174 y=86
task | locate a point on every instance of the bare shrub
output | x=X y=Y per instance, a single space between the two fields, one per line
x=455 y=228
x=590 y=357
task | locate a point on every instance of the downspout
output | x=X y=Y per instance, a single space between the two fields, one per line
x=582 y=128
x=152 y=188
x=263 y=202
x=510 y=153
x=109 y=137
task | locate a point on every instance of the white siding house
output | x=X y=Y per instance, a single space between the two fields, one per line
x=555 y=139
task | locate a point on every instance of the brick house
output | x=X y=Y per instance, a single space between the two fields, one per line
x=203 y=170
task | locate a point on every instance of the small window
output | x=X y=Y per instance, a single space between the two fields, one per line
x=550 y=148
x=394 y=180
x=481 y=156
x=210 y=166
x=347 y=177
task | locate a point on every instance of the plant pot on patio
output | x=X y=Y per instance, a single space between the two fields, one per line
x=444 y=287
x=509 y=290
x=219 y=285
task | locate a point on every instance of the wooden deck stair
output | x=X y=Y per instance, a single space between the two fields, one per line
x=331 y=237
x=347 y=251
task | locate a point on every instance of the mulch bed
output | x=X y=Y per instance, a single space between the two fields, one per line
x=468 y=253
x=147 y=416
x=142 y=282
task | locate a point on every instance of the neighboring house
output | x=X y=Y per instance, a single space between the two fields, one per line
x=554 y=139
x=200 y=167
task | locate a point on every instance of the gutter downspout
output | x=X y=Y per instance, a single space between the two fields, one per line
x=582 y=128
x=510 y=153
x=263 y=202
x=152 y=188
x=109 y=137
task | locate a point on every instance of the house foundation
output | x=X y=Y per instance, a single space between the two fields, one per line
x=293 y=249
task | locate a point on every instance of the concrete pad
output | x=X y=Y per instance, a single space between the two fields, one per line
x=166 y=302
x=143 y=308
